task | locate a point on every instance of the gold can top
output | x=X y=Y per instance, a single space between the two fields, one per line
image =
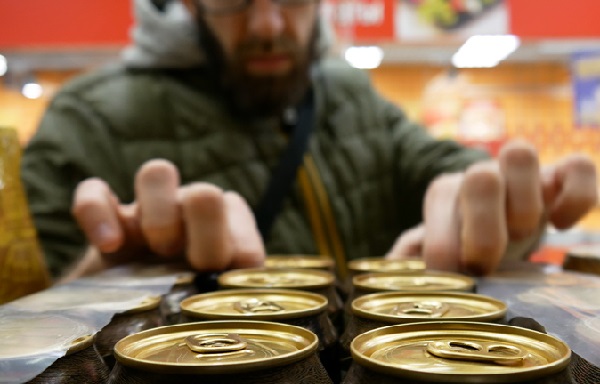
x=381 y=264
x=401 y=307
x=216 y=347
x=276 y=278
x=95 y=298
x=460 y=352
x=24 y=336
x=298 y=262
x=255 y=304
x=426 y=281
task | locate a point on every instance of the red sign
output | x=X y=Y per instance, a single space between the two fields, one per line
x=31 y=24
x=361 y=20
x=555 y=18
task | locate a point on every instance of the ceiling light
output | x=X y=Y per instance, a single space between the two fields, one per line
x=32 y=91
x=3 y=65
x=364 y=57
x=485 y=51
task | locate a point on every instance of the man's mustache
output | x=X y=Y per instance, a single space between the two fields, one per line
x=257 y=47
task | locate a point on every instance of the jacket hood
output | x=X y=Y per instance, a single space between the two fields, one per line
x=168 y=37
x=162 y=38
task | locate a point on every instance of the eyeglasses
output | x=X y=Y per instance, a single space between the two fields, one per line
x=224 y=7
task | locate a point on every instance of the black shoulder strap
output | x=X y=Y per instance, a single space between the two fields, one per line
x=284 y=174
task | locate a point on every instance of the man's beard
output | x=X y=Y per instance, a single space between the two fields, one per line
x=259 y=96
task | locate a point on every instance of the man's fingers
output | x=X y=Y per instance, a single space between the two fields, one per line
x=95 y=209
x=441 y=249
x=221 y=229
x=571 y=190
x=247 y=246
x=208 y=240
x=409 y=244
x=482 y=205
x=156 y=186
x=524 y=202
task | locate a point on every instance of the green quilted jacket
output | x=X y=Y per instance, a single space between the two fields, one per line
x=361 y=184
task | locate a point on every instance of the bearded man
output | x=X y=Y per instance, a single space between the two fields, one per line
x=177 y=152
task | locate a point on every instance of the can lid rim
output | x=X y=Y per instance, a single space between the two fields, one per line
x=358 y=265
x=414 y=373
x=302 y=336
x=360 y=280
x=302 y=262
x=327 y=278
x=321 y=306
x=358 y=310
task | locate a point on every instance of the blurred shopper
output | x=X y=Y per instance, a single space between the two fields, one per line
x=178 y=152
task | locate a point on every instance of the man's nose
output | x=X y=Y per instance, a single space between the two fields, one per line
x=265 y=19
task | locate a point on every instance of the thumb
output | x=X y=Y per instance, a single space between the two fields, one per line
x=409 y=244
x=570 y=189
x=247 y=249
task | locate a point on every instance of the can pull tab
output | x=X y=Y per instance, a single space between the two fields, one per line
x=216 y=343
x=496 y=353
x=430 y=309
x=257 y=306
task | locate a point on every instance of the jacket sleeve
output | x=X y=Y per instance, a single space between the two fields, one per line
x=57 y=158
x=419 y=158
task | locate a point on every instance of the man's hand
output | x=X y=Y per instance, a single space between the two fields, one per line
x=215 y=229
x=470 y=217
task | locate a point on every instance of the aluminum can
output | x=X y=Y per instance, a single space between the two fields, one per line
x=294 y=307
x=224 y=352
x=336 y=296
x=392 y=308
x=312 y=280
x=427 y=281
x=455 y=352
x=142 y=317
x=381 y=264
x=59 y=347
x=299 y=262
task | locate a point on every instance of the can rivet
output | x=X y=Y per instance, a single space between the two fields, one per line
x=431 y=309
x=217 y=343
x=257 y=306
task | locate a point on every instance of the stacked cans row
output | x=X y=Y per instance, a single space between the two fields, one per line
x=288 y=323
x=428 y=326
x=400 y=323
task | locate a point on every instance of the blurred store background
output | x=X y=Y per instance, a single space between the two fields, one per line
x=479 y=71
